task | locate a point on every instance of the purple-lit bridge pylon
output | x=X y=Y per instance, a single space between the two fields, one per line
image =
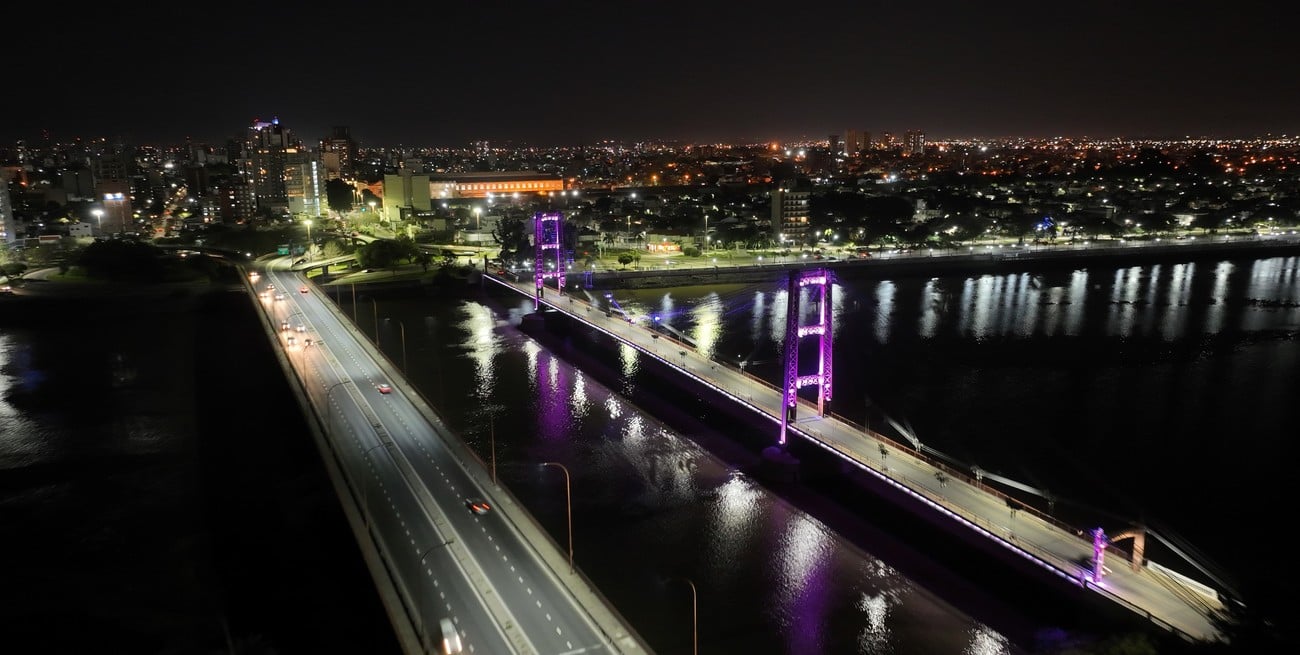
x=1065 y=553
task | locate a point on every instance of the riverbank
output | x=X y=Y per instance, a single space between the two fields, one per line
x=932 y=263
x=670 y=271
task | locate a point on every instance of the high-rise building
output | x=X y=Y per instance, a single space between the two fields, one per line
x=8 y=231
x=405 y=194
x=834 y=145
x=866 y=141
x=914 y=142
x=266 y=149
x=304 y=184
x=339 y=154
x=790 y=210
x=114 y=169
x=234 y=199
x=851 y=142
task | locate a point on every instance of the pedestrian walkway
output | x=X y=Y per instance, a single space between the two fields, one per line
x=1079 y=557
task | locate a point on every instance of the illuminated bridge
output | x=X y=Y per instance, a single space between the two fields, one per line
x=916 y=476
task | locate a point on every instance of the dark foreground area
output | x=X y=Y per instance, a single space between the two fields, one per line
x=159 y=492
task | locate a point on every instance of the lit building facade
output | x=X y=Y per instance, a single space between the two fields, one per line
x=115 y=201
x=406 y=194
x=304 y=180
x=914 y=142
x=339 y=154
x=8 y=231
x=267 y=147
x=496 y=184
x=790 y=211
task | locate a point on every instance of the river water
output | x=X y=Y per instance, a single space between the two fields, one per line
x=1161 y=394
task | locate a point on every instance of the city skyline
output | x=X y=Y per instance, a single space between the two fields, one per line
x=580 y=73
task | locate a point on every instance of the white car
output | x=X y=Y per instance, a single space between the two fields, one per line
x=450 y=638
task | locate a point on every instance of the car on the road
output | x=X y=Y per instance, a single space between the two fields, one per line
x=450 y=638
x=302 y=289
x=383 y=388
x=300 y=328
x=279 y=296
x=284 y=326
x=478 y=505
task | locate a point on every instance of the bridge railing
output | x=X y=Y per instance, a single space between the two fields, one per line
x=1076 y=570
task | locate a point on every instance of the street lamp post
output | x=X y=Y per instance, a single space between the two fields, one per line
x=99 y=219
x=307 y=222
x=375 y=305
x=629 y=221
x=478 y=211
x=402 y=327
x=568 y=506
x=695 y=616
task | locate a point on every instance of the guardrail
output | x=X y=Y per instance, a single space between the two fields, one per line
x=1074 y=571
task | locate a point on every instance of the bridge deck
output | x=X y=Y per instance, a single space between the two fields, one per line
x=1162 y=596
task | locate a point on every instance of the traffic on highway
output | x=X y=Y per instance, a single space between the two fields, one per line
x=458 y=551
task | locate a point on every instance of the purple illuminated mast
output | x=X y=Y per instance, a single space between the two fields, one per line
x=547 y=239
x=819 y=283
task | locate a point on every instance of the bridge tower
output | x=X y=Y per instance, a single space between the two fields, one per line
x=548 y=246
x=818 y=282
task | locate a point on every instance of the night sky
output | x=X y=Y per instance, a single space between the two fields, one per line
x=568 y=73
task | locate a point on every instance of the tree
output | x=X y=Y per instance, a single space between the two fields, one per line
x=381 y=253
x=513 y=238
x=13 y=269
x=625 y=258
x=122 y=260
x=1159 y=222
x=339 y=195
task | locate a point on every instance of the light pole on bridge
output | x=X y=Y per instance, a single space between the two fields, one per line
x=402 y=327
x=568 y=506
x=375 y=305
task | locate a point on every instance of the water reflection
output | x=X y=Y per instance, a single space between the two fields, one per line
x=482 y=345
x=733 y=526
x=660 y=502
x=1132 y=302
x=1174 y=322
x=707 y=317
x=648 y=500
x=802 y=557
x=884 y=308
x=933 y=304
x=1214 y=315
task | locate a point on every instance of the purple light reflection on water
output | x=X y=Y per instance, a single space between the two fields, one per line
x=649 y=502
x=552 y=400
x=807 y=568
